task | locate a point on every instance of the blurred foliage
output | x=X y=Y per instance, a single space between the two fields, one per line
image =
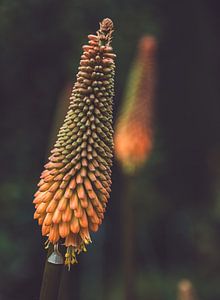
x=177 y=195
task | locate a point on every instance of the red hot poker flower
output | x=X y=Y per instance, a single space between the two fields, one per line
x=134 y=134
x=75 y=185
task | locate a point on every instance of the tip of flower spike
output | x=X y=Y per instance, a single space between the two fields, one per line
x=105 y=31
x=148 y=44
x=106 y=25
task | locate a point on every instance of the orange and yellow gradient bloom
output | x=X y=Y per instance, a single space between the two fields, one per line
x=134 y=127
x=75 y=184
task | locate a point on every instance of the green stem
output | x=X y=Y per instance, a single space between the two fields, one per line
x=128 y=236
x=51 y=279
x=69 y=288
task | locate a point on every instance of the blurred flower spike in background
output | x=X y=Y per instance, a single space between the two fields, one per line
x=186 y=290
x=134 y=127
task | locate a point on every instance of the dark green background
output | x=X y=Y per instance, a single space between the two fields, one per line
x=177 y=198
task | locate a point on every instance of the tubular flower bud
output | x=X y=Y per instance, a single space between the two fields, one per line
x=134 y=127
x=75 y=184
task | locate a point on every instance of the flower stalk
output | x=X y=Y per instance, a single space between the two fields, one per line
x=51 y=279
x=133 y=144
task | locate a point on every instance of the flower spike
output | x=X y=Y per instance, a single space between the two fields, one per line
x=134 y=127
x=75 y=184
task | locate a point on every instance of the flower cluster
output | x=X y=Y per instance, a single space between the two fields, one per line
x=133 y=135
x=75 y=184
